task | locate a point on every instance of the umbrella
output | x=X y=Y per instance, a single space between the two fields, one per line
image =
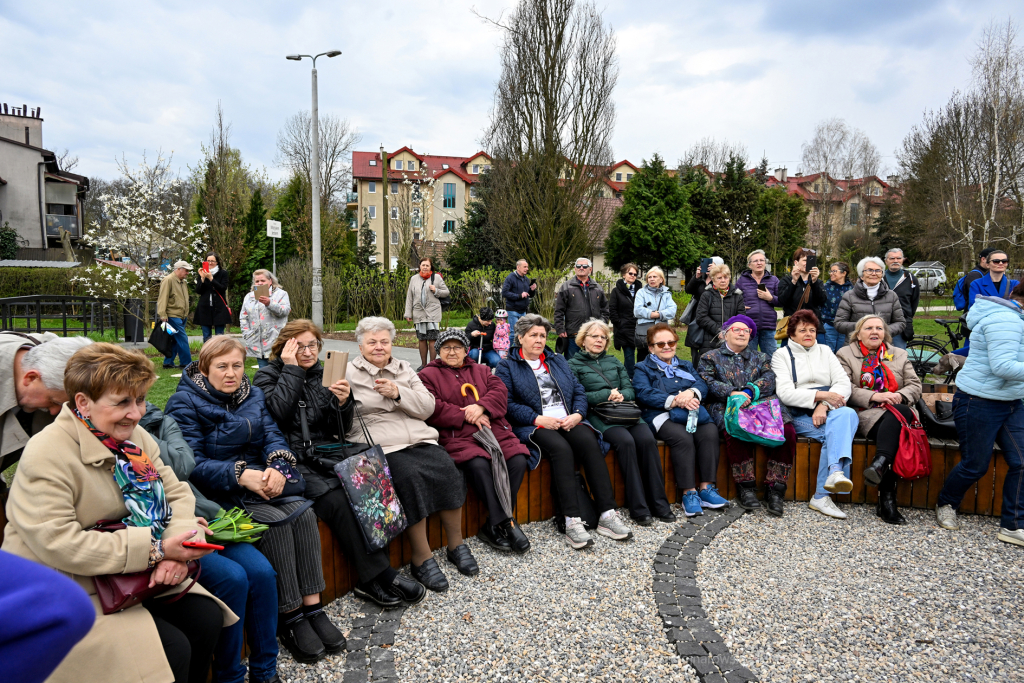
x=498 y=468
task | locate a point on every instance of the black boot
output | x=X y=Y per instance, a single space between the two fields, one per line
x=747 y=496
x=874 y=473
x=520 y=543
x=887 y=509
x=773 y=497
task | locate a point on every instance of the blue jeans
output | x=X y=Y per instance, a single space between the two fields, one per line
x=898 y=341
x=838 y=432
x=980 y=422
x=513 y=316
x=491 y=357
x=766 y=341
x=208 y=331
x=181 y=341
x=262 y=362
x=242 y=577
x=833 y=338
x=571 y=350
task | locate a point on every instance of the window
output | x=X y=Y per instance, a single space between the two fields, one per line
x=472 y=192
x=394 y=188
x=444 y=165
x=854 y=214
x=373 y=234
x=416 y=194
x=817 y=187
x=487 y=167
x=618 y=195
x=449 y=195
x=394 y=213
x=373 y=257
x=416 y=218
x=372 y=187
x=449 y=227
x=394 y=262
x=415 y=235
x=373 y=162
x=394 y=237
x=411 y=165
x=629 y=176
x=476 y=168
x=373 y=211
x=878 y=191
x=618 y=177
x=398 y=164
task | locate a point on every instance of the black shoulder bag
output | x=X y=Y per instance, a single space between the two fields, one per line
x=615 y=413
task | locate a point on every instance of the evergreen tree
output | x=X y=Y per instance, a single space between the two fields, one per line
x=476 y=244
x=780 y=223
x=366 y=249
x=258 y=247
x=892 y=230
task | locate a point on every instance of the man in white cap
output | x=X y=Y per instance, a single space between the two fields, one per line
x=172 y=306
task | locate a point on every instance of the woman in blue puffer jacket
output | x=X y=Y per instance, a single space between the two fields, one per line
x=243 y=459
x=987 y=408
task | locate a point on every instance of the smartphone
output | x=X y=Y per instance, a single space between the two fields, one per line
x=206 y=266
x=704 y=265
x=201 y=545
x=261 y=290
x=334 y=367
x=812 y=261
x=763 y=287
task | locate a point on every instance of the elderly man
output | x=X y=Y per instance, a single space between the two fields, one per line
x=907 y=289
x=32 y=386
x=577 y=301
x=172 y=306
x=517 y=290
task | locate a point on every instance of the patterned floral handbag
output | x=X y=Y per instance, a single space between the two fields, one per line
x=760 y=422
x=366 y=479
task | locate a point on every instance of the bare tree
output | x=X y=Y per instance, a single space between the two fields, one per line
x=65 y=161
x=337 y=139
x=712 y=154
x=550 y=129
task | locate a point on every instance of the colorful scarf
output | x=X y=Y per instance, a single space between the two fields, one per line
x=140 y=483
x=673 y=369
x=874 y=374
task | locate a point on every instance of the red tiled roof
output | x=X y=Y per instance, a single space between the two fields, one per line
x=435 y=166
x=802 y=186
x=626 y=162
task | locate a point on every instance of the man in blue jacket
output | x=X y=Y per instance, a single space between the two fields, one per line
x=517 y=292
x=963 y=285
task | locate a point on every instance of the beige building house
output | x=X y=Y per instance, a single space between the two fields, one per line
x=846 y=203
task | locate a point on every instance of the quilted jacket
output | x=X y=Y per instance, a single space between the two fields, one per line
x=583 y=364
x=653 y=388
x=995 y=366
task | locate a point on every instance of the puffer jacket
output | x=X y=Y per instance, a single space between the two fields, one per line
x=620 y=311
x=760 y=311
x=393 y=425
x=261 y=324
x=995 y=366
x=814 y=368
x=456 y=435
x=726 y=371
x=897 y=360
x=487 y=332
x=855 y=304
x=648 y=300
x=228 y=433
x=654 y=389
x=524 y=400
x=714 y=309
x=583 y=364
x=283 y=387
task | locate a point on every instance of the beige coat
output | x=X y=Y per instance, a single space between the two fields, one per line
x=65 y=485
x=172 y=301
x=414 y=304
x=393 y=425
x=906 y=379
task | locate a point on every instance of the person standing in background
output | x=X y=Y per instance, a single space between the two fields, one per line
x=212 y=311
x=577 y=301
x=759 y=289
x=517 y=290
x=172 y=307
x=620 y=310
x=907 y=289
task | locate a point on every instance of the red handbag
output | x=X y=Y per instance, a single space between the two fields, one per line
x=914 y=457
x=118 y=592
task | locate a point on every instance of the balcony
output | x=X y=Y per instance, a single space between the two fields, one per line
x=351 y=198
x=55 y=222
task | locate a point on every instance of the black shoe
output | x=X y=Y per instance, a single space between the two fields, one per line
x=644 y=520
x=874 y=473
x=463 y=560
x=382 y=595
x=410 y=592
x=518 y=540
x=492 y=536
x=330 y=636
x=747 y=497
x=669 y=517
x=430 y=575
x=887 y=509
x=773 y=498
x=301 y=641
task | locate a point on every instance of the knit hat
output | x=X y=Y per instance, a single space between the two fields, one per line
x=741 y=319
x=448 y=335
x=486 y=313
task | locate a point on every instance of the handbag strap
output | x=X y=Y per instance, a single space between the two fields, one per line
x=284 y=500
x=195 y=578
x=792 y=360
x=304 y=425
x=806 y=295
x=222 y=301
x=597 y=369
x=899 y=416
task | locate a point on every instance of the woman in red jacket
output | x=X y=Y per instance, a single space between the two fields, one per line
x=468 y=399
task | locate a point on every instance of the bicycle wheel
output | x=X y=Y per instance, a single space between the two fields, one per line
x=924 y=355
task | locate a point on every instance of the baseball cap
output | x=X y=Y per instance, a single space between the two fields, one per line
x=181 y=264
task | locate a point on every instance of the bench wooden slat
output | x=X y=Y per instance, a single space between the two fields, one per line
x=802 y=467
x=857 y=465
x=1001 y=467
x=985 y=484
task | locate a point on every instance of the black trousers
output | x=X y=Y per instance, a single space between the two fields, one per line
x=886 y=433
x=565 y=449
x=637 y=452
x=691 y=453
x=188 y=629
x=480 y=477
x=333 y=507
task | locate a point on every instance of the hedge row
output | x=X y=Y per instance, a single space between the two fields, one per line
x=31 y=281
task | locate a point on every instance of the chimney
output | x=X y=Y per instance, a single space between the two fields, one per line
x=893 y=180
x=781 y=175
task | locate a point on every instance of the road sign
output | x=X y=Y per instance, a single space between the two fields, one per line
x=274 y=229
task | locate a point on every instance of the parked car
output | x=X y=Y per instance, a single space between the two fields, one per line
x=931 y=275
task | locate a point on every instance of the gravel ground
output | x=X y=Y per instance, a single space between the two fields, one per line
x=552 y=615
x=806 y=598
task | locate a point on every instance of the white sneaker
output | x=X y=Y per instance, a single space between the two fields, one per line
x=838 y=482
x=576 y=534
x=826 y=507
x=1016 y=536
x=947 y=517
x=612 y=526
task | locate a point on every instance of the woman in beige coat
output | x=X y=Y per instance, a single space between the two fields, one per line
x=71 y=476
x=881 y=375
x=394 y=404
x=423 y=307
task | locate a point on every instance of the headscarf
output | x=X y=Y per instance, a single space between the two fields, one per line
x=874 y=374
x=672 y=369
x=740 y=318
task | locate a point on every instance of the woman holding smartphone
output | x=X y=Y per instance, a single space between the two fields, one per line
x=212 y=312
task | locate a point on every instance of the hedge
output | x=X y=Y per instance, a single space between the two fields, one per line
x=32 y=281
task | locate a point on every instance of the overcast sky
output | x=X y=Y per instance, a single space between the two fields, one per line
x=140 y=76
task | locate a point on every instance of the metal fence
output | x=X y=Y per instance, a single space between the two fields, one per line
x=86 y=314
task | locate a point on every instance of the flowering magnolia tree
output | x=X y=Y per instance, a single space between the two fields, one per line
x=145 y=225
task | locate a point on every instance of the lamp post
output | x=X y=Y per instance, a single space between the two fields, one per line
x=314 y=173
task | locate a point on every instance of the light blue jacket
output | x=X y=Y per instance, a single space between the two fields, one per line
x=995 y=367
x=646 y=302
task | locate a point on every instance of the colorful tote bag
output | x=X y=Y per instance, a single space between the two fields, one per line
x=760 y=422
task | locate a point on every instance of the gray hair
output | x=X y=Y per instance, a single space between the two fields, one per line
x=522 y=260
x=659 y=271
x=530 y=321
x=855 y=335
x=869 y=259
x=892 y=250
x=373 y=324
x=590 y=264
x=51 y=357
x=267 y=274
x=755 y=253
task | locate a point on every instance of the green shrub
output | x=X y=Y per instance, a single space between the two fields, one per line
x=31 y=281
x=8 y=242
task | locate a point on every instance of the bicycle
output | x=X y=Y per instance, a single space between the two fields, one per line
x=925 y=351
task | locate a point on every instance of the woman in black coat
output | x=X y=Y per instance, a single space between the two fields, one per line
x=721 y=301
x=620 y=309
x=791 y=289
x=212 y=312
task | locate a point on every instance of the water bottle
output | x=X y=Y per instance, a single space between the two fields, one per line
x=691 y=421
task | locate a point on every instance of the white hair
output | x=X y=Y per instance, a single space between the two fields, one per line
x=658 y=270
x=51 y=357
x=267 y=274
x=373 y=324
x=869 y=259
x=755 y=253
x=717 y=260
x=522 y=260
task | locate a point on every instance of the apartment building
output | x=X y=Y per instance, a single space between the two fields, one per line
x=847 y=202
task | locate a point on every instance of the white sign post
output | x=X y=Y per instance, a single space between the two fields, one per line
x=274 y=232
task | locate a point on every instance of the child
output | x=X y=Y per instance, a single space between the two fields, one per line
x=502 y=333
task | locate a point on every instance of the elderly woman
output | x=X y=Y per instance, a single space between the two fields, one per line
x=212 y=312
x=262 y=318
x=871 y=296
x=793 y=290
x=95 y=463
x=468 y=399
x=243 y=460
x=814 y=387
x=292 y=383
x=605 y=379
x=620 y=312
x=837 y=286
x=759 y=289
x=423 y=306
x=669 y=390
x=736 y=369
x=881 y=375
x=653 y=304
x=395 y=405
x=546 y=406
x=720 y=302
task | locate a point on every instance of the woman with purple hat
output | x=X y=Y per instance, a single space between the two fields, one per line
x=737 y=369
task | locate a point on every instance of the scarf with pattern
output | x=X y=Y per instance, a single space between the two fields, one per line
x=140 y=483
x=874 y=374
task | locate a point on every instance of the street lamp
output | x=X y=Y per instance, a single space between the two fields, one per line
x=318 y=290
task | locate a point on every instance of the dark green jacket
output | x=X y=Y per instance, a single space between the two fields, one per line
x=597 y=388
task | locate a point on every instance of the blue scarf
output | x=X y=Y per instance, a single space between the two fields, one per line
x=672 y=370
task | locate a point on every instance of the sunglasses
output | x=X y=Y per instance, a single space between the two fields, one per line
x=665 y=345
x=581 y=267
x=999 y=260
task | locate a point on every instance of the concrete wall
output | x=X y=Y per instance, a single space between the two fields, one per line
x=13 y=128
x=19 y=198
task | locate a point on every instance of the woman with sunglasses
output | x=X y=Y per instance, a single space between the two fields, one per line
x=995 y=282
x=871 y=296
x=736 y=369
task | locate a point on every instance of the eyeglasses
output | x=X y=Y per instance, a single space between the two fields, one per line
x=739 y=330
x=872 y=270
x=999 y=260
x=582 y=266
x=452 y=349
x=597 y=336
x=665 y=345
x=308 y=348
